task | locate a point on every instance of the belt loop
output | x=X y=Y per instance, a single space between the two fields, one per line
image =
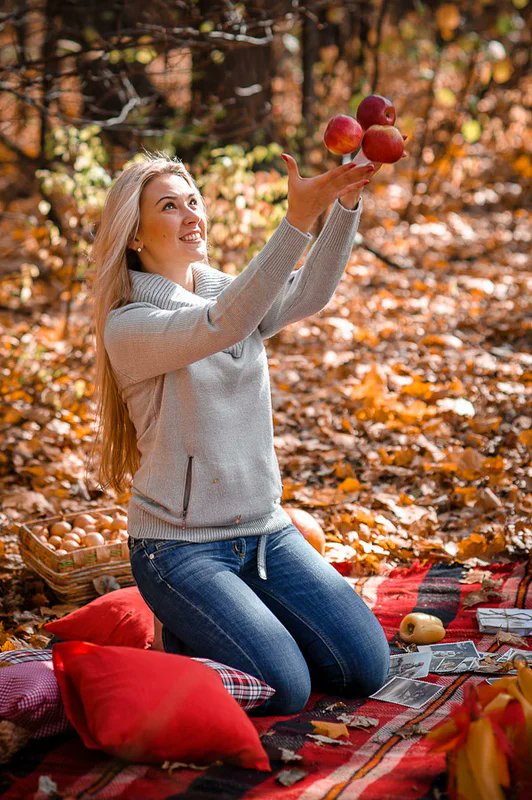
x=261 y=557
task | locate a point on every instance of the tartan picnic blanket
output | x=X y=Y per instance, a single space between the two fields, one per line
x=390 y=760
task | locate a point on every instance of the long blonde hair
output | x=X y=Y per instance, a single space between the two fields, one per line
x=116 y=437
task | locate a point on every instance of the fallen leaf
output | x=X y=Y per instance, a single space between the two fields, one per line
x=358 y=721
x=170 y=766
x=408 y=731
x=289 y=755
x=504 y=637
x=480 y=596
x=289 y=776
x=332 y=729
x=474 y=576
x=336 y=706
x=325 y=739
x=39 y=640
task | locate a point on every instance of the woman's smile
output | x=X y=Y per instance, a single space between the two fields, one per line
x=194 y=237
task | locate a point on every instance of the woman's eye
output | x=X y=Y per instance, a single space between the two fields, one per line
x=170 y=203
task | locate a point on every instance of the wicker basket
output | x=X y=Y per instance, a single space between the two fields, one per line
x=71 y=575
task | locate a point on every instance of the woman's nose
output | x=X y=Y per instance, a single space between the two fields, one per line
x=192 y=214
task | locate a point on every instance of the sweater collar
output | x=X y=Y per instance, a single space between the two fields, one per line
x=149 y=287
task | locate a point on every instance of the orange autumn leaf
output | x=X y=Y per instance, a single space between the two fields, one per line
x=525 y=437
x=479 y=545
x=332 y=729
x=488 y=764
x=349 y=485
x=488 y=739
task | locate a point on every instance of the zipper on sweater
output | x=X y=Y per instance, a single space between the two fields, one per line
x=188 y=483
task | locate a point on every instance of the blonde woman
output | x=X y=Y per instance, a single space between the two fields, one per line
x=185 y=409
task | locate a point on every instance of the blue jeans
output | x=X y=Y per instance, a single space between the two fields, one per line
x=303 y=628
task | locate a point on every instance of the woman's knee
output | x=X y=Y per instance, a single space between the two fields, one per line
x=371 y=671
x=290 y=678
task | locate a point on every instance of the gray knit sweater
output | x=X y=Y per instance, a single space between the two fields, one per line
x=193 y=371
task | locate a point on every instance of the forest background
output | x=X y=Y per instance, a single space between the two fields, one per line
x=400 y=411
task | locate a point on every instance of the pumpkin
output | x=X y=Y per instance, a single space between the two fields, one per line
x=309 y=527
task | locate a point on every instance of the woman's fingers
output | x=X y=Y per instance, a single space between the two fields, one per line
x=353 y=187
x=291 y=165
x=355 y=175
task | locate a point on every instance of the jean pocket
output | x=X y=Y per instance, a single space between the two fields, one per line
x=154 y=547
x=134 y=545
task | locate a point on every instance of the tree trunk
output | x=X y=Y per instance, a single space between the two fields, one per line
x=310 y=47
x=231 y=86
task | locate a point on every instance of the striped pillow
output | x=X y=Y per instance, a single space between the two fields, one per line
x=248 y=691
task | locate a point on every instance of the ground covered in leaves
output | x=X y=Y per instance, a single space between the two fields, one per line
x=400 y=411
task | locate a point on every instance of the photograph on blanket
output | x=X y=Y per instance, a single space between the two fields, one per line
x=410 y=665
x=407 y=692
x=514 y=653
x=451 y=649
x=451 y=656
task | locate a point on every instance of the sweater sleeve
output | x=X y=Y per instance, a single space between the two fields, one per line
x=310 y=288
x=144 y=341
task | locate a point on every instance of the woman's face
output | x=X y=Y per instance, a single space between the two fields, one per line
x=173 y=226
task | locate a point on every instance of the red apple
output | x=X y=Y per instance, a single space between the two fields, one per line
x=375 y=110
x=383 y=143
x=342 y=135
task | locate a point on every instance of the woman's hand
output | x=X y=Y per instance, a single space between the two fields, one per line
x=309 y=197
x=350 y=200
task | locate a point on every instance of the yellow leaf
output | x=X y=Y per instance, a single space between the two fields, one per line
x=524 y=679
x=349 y=485
x=478 y=545
x=363 y=515
x=332 y=729
x=523 y=165
x=445 y=97
x=7 y=646
x=502 y=70
x=447 y=19
x=466 y=785
x=468 y=493
x=471 y=131
x=486 y=761
x=12 y=416
x=525 y=437
x=419 y=388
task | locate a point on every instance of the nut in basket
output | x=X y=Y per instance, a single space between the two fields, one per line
x=70 y=550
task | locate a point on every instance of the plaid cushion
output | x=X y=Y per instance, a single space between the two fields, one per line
x=29 y=697
x=248 y=691
x=20 y=656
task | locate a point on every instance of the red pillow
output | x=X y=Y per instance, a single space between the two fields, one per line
x=149 y=707
x=120 y=617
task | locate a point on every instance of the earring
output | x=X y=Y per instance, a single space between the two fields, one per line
x=139 y=249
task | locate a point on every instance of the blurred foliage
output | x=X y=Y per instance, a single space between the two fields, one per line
x=246 y=196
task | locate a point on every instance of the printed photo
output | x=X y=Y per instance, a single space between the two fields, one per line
x=451 y=649
x=453 y=664
x=407 y=692
x=515 y=653
x=410 y=665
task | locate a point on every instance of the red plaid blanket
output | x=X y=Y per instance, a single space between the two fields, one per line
x=390 y=760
